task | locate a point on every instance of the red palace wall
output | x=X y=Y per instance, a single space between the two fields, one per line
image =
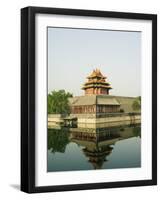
x=94 y=109
x=83 y=109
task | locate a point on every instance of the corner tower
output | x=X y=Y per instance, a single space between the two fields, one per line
x=96 y=84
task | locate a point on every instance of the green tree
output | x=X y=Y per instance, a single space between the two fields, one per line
x=137 y=104
x=58 y=102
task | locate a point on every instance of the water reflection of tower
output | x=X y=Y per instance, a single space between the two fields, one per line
x=98 y=156
x=97 y=144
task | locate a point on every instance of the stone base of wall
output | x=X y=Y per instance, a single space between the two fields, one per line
x=93 y=121
x=108 y=121
x=55 y=120
x=106 y=125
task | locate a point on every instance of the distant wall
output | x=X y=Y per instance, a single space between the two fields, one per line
x=126 y=103
x=58 y=118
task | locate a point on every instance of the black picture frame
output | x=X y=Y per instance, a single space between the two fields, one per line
x=28 y=98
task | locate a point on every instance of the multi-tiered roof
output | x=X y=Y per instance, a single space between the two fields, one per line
x=96 y=84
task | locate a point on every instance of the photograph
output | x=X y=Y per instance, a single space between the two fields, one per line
x=89 y=99
x=93 y=99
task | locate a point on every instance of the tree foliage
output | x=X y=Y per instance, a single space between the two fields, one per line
x=58 y=140
x=137 y=131
x=58 y=102
x=137 y=104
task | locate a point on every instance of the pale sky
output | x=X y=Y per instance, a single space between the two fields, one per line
x=74 y=53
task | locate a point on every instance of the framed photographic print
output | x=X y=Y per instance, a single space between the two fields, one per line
x=88 y=99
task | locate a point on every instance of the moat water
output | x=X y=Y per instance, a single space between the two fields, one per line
x=71 y=149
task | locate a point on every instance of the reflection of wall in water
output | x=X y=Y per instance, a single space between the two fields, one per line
x=102 y=134
x=99 y=143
